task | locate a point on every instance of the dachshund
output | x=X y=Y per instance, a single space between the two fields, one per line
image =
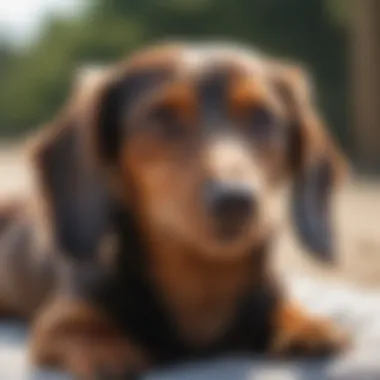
x=154 y=214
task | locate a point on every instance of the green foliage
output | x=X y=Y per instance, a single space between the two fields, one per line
x=339 y=11
x=36 y=83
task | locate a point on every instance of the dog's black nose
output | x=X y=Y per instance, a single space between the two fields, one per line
x=231 y=202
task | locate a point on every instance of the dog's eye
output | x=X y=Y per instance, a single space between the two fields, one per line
x=262 y=124
x=166 y=123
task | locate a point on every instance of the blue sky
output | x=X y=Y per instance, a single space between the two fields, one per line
x=21 y=20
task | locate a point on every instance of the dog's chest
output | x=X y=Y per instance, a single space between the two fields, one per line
x=201 y=297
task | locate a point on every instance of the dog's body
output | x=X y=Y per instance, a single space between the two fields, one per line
x=157 y=183
x=27 y=270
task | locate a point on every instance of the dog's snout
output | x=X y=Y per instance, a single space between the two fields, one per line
x=230 y=201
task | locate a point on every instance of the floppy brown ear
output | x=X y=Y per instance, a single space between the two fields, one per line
x=315 y=161
x=77 y=152
x=75 y=200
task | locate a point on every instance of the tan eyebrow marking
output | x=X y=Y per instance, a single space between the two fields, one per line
x=249 y=92
x=245 y=93
x=179 y=97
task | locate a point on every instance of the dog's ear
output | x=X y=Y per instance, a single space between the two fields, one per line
x=315 y=161
x=75 y=153
x=74 y=197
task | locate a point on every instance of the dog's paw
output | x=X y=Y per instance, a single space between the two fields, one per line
x=298 y=334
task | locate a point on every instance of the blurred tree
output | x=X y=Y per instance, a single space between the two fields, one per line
x=6 y=54
x=340 y=11
x=365 y=67
x=37 y=81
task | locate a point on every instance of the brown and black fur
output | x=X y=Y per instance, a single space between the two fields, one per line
x=138 y=282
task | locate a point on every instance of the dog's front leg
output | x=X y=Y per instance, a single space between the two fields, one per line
x=77 y=338
x=295 y=332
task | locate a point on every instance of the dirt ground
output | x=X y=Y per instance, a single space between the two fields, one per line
x=357 y=224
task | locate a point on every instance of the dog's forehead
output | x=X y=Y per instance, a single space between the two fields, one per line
x=197 y=59
x=209 y=68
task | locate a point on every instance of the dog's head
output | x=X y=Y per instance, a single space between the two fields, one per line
x=200 y=140
x=204 y=137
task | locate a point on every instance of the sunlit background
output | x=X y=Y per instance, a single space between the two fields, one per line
x=43 y=41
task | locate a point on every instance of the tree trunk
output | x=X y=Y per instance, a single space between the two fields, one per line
x=365 y=108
